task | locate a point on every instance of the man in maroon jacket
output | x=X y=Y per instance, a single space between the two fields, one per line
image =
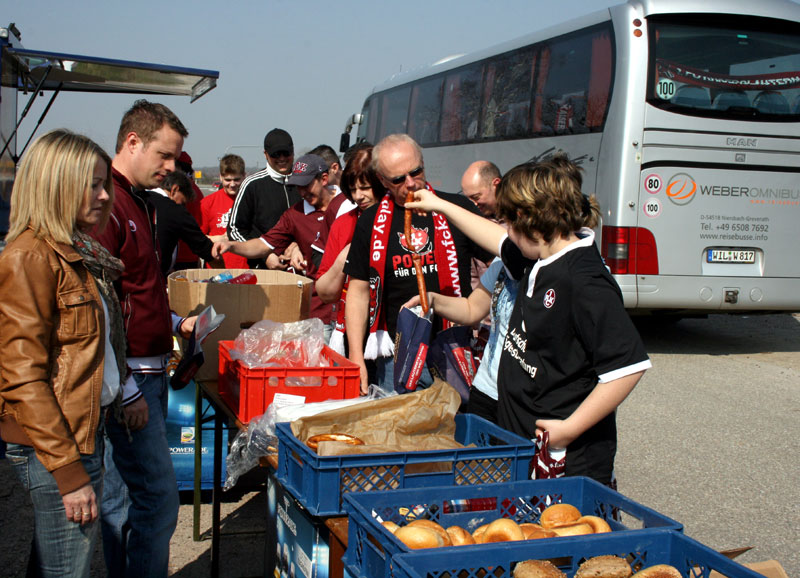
x=139 y=510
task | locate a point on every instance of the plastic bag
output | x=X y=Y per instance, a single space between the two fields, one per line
x=247 y=447
x=259 y=439
x=271 y=344
x=547 y=463
x=451 y=355
x=411 y=347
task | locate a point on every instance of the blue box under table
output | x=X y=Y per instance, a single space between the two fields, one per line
x=642 y=549
x=320 y=482
x=371 y=547
x=181 y=434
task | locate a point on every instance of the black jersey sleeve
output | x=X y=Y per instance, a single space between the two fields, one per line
x=358 y=261
x=193 y=236
x=240 y=224
x=514 y=261
x=605 y=329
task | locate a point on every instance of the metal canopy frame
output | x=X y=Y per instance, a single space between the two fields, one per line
x=36 y=71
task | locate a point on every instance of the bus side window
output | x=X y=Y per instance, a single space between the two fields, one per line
x=507 y=95
x=568 y=72
x=599 y=80
x=372 y=119
x=394 y=117
x=426 y=106
x=461 y=106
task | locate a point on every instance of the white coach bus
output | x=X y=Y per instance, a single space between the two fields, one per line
x=685 y=117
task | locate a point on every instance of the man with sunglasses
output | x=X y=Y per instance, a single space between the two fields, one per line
x=380 y=265
x=265 y=195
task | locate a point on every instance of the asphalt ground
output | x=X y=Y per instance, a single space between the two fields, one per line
x=709 y=438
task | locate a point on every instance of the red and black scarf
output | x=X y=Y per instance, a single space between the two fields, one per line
x=379 y=344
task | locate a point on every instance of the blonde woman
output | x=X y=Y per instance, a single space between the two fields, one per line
x=62 y=341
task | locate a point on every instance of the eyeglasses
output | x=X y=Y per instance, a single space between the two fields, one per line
x=279 y=154
x=413 y=174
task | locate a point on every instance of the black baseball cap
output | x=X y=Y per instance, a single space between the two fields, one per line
x=278 y=140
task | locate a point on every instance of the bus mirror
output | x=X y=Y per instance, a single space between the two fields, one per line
x=344 y=142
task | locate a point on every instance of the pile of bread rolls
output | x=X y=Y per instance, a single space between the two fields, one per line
x=597 y=567
x=557 y=520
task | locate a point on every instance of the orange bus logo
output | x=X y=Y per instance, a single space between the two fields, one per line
x=681 y=189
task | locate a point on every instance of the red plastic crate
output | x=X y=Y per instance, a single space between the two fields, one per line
x=249 y=391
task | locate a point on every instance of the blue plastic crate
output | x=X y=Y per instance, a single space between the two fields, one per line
x=371 y=547
x=319 y=482
x=641 y=549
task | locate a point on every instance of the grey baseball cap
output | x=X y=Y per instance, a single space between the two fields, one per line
x=305 y=170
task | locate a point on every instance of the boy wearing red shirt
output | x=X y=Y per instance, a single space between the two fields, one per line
x=216 y=207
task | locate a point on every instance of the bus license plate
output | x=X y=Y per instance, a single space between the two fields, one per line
x=730 y=256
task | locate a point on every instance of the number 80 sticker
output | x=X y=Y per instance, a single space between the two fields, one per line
x=652 y=183
x=652 y=208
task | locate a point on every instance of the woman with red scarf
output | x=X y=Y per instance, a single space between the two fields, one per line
x=361 y=185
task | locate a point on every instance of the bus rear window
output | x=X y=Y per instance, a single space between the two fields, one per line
x=743 y=68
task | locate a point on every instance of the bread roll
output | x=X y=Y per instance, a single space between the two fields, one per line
x=604 y=567
x=391 y=526
x=528 y=528
x=539 y=534
x=313 y=441
x=418 y=537
x=659 y=571
x=502 y=530
x=430 y=525
x=535 y=531
x=573 y=530
x=537 y=569
x=477 y=533
x=559 y=515
x=599 y=525
x=459 y=536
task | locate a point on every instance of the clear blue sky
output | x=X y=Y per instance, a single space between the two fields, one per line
x=304 y=66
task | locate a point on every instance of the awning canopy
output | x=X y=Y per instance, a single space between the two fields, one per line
x=39 y=70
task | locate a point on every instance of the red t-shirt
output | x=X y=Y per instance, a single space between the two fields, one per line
x=339 y=236
x=303 y=224
x=215 y=212
x=338 y=207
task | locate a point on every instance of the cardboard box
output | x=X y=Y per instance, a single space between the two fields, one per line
x=768 y=568
x=278 y=296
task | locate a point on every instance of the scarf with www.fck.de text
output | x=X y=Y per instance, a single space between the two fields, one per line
x=379 y=344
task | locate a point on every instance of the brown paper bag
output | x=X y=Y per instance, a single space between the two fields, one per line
x=423 y=420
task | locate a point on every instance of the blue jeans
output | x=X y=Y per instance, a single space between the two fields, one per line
x=61 y=547
x=385 y=375
x=140 y=501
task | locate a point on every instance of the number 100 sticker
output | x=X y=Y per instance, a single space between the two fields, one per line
x=652 y=208
x=665 y=89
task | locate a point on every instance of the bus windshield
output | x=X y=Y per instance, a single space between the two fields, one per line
x=720 y=67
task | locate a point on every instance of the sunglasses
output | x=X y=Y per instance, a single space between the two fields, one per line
x=413 y=174
x=279 y=154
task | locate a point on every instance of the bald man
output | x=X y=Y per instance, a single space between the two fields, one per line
x=479 y=184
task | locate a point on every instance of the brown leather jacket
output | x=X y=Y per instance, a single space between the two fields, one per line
x=51 y=355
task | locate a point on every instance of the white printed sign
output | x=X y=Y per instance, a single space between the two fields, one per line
x=652 y=208
x=652 y=183
x=665 y=89
x=286 y=399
